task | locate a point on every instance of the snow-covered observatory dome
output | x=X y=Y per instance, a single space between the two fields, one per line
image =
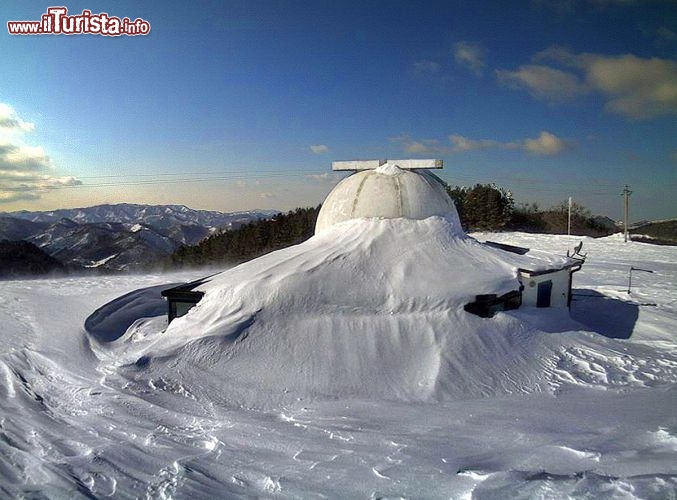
x=389 y=192
x=375 y=306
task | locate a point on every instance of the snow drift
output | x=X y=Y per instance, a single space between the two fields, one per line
x=78 y=426
x=369 y=308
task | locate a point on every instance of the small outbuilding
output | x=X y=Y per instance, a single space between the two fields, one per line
x=551 y=288
x=549 y=285
x=181 y=299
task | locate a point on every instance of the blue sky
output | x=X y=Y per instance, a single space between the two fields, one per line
x=240 y=105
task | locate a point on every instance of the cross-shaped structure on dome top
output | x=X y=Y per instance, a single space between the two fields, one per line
x=358 y=165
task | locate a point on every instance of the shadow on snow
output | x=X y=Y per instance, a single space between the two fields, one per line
x=605 y=315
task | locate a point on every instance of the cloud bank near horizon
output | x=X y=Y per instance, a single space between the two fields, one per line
x=546 y=144
x=26 y=172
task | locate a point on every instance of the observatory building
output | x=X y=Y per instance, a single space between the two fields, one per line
x=407 y=189
x=389 y=299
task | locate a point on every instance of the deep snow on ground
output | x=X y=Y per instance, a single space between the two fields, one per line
x=368 y=308
x=534 y=404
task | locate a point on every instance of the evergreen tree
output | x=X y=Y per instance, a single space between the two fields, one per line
x=250 y=240
x=555 y=220
x=482 y=207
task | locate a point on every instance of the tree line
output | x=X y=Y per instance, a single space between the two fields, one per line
x=483 y=207
x=487 y=207
x=250 y=240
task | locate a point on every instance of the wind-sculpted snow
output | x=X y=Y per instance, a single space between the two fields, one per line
x=371 y=308
x=111 y=321
x=528 y=404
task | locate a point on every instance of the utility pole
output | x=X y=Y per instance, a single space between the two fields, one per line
x=626 y=201
x=569 y=223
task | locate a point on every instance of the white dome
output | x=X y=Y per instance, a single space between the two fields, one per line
x=388 y=192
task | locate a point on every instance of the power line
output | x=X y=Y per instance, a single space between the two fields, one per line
x=454 y=178
x=147 y=179
x=222 y=177
x=218 y=172
x=159 y=178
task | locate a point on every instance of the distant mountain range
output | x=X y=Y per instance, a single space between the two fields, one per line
x=118 y=237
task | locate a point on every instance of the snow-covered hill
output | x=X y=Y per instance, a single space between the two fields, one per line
x=424 y=401
x=164 y=219
x=106 y=245
x=14 y=229
x=118 y=237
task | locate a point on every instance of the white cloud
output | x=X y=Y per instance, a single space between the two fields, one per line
x=16 y=186
x=425 y=67
x=638 y=88
x=546 y=144
x=544 y=82
x=462 y=144
x=319 y=149
x=318 y=177
x=330 y=177
x=412 y=146
x=417 y=147
x=470 y=55
x=9 y=121
x=19 y=157
x=26 y=171
x=635 y=87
